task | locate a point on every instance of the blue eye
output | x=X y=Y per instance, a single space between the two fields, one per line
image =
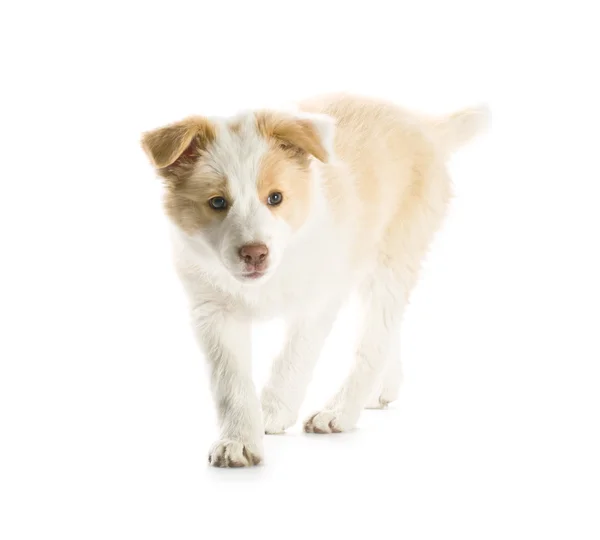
x=275 y=198
x=218 y=203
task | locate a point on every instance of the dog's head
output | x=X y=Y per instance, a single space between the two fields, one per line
x=244 y=186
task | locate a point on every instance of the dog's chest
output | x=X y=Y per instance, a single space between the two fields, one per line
x=301 y=286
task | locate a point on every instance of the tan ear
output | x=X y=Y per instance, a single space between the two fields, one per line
x=311 y=133
x=184 y=139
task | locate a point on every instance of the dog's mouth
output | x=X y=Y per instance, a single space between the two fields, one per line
x=253 y=275
x=254 y=272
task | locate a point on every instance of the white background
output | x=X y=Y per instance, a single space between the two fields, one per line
x=105 y=413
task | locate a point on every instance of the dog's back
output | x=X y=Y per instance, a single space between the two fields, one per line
x=398 y=188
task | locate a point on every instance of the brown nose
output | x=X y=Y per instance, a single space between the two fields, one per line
x=254 y=253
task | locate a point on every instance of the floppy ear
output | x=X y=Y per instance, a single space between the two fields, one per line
x=307 y=132
x=179 y=143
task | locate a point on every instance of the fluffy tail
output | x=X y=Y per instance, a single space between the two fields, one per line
x=459 y=128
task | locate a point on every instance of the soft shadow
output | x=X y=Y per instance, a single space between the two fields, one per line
x=237 y=474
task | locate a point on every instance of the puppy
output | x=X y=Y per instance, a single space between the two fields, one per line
x=285 y=213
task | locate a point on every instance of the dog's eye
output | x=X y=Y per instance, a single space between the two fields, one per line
x=218 y=203
x=275 y=198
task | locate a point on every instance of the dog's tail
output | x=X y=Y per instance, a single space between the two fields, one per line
x=451 y=132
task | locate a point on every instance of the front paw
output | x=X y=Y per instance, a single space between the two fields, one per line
x=229 y=453
x=330 y=421
x=277 y=415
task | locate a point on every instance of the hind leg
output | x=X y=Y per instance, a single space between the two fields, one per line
x=384 y=297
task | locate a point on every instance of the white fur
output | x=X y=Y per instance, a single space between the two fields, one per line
x=223 y=306
x=248 y=221
x=312 y=271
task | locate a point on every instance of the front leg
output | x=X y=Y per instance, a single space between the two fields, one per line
x=226 y=342
x=292 y=370
x=384 y=298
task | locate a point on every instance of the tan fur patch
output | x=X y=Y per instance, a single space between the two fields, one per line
x=291 y=132
x=175 y=148
x=399 y=190
x=176 y=152
x=186 y=202
x=235 y=127
x=283 y=172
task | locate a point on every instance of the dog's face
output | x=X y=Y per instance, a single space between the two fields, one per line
x=243 y=186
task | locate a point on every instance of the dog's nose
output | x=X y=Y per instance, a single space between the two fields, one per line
x=254 y=253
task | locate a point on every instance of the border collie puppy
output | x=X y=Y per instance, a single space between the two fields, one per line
x=286 y=213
